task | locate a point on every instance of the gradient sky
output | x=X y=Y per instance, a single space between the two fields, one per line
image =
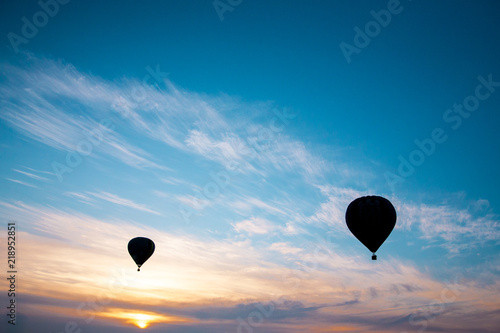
x=234 y=134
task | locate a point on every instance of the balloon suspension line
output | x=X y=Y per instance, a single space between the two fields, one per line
x=374 y=256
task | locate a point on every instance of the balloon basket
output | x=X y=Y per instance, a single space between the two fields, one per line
x=374 y=257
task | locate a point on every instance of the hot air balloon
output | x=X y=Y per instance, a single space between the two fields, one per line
x=140 y=249
x=371 y=220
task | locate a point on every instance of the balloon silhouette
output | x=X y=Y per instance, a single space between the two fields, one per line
x=140 y=250
x=371 y=220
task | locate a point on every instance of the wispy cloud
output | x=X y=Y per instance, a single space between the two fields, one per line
x=40 y=120
x=227 y=151
x=161 y=194
x=180 y=119
x=81 y=197
x=48 y=115
x=172 y=181
x=332 y=211
x=255 y=225
x=284 y=248
x=113 y=198
x=248 y=203
x=129 y=154
x=38 y=171
x=195 y=202
x=21 y=182
x=36 y=177
x=291 y=155
x=458 y=228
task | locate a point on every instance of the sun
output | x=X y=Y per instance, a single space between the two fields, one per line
x=141 y=320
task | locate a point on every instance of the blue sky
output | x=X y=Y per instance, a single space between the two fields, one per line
x=234 y=134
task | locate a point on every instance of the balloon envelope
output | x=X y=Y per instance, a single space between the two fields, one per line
x=371 y=220
x=140 y=249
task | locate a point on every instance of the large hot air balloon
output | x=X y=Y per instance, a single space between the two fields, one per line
x=371 y=219
x=140 y=249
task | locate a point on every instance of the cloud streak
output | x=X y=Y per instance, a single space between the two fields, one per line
x=117 y=200
x=21 y=182
x=182 y=120
x=36 y=177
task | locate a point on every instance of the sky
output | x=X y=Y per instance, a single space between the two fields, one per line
x=234 y=134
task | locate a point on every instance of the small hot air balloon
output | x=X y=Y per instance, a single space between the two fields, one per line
x=140 y=249
x=371 y=220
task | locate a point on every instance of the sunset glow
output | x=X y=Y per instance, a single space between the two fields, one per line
x=141 y=319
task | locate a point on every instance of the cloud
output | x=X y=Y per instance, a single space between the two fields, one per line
x=457 y=228
x=39 y=119
x=255 y=225
x=113 y=198
x=248 y=203
x=195 y=202
x=81 y=197
x=48 y=115
x=129 y=154
x=224 y=151
x=161 y=194
x=291 y=228
x=284 y=248
x=290 y=155
x=36 y=177
x=70 y=111
x=21 y=182
x=172 y=181
x=60 y=130
x=332 y=211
